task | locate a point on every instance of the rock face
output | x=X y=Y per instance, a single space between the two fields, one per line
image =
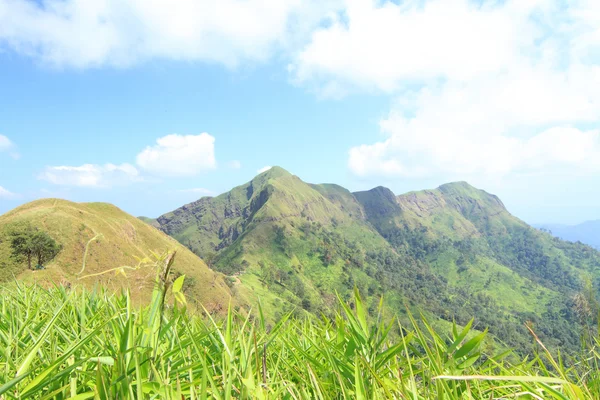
x=453 y=252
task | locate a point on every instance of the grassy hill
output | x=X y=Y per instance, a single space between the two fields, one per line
x=121 y=240
x=452 y=253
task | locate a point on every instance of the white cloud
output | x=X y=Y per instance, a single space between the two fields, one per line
x=264 y=169
x=7 y=146
x=381 y=45
x=482 y=88
x=437 y=154
x=179 y=155
x=90 y=175
x=5 y=143
x=200 y=191
x=6 y=194
x=517 y=121
x=173 y=155
x=82 y=33
x=234 y=164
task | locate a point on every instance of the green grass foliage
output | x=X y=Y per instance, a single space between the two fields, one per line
x=70 y=343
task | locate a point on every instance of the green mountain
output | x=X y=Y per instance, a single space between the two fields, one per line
x=452 y=253
x=291 y=243
x=115 y=239
x=469 y=239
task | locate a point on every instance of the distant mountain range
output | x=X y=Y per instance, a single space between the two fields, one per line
x=587 y=232
x=450 y=253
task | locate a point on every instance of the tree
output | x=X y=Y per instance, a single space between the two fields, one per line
x=267 y=273
x=21 y=245
x=34 y=244
x=209 y=258
x=44 y=247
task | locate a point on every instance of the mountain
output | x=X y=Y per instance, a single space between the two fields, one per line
x=587 y=232
x=121 y=239
x=452 y=253
x=469 y=239
x=288 y=241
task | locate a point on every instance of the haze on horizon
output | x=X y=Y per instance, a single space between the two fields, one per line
x=150 y=105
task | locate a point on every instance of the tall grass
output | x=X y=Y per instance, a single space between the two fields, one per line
x=64 y=343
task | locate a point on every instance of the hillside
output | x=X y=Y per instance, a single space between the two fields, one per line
x=452 y=253
x=470 y=240
x=214 y=223
x=121 y=239
x=587 y=232
x=290 y=243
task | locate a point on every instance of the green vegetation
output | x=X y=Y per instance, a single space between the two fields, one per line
x=296 y=255
x=469 y=238
x=452 y=253
x=31 y=244
x=105 y=237
x=66 y=343
x=449 y=254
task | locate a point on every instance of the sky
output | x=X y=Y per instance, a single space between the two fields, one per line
x=152 y=104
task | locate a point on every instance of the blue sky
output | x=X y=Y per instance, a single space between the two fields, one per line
x=150 y=105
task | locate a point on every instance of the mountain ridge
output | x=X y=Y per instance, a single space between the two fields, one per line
x=451 y=253
x=446 y=251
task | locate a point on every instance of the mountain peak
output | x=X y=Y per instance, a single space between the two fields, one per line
x=275 y=172
x=377 y=202
x=457 y=186
x=381 y=191
x=459 y=192
x=263 y=178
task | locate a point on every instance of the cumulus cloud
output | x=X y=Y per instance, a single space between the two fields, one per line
x=518 y=121
x=436 y=154
x=480 y=88
x=264 y=169
x=82 y=33
x=91 y=175
x=172 y=155
x=179 y=155
x=6 y=194
x=381 y=45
